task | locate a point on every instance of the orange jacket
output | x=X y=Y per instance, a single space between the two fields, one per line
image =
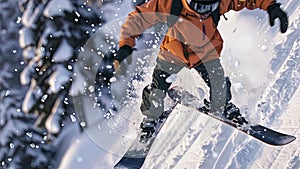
x=191 y=40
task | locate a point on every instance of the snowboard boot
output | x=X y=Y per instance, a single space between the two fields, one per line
x=148 y=129
x=231 y=112
x=153 y=102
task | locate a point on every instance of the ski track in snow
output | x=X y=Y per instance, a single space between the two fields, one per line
x=174 y=137
x=281 y=93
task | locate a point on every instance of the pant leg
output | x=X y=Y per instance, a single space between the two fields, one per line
x=153 y=94
x=212 y=73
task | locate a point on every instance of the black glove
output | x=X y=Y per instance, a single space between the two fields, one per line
x=122 y=53
x=275 y=12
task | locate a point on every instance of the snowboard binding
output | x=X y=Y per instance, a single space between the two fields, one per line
x=148 y=127
x=231 y=112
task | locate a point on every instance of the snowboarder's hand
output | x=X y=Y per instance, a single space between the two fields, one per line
x=122 y=53
x=275 y=12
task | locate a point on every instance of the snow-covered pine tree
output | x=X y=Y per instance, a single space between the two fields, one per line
x=51 y=36
x=53 y=33
x=22 y=145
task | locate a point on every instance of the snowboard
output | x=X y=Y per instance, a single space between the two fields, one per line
x=257 y=131
x=136 y=154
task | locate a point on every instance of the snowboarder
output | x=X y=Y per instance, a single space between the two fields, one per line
x=182 y=46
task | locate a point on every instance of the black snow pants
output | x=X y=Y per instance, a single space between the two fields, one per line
x=211 y=72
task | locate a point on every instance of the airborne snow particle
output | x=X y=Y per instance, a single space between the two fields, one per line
x=83 y=124
x=43 y=99
x=91 y=89
x=19 y=19
x=73 y=118
x=109 y=66
x=113 y=79
x=29 y=134
x=263 y=47
x=7 y=93
x=77 y=13
x=11 y=145
x=70 y=67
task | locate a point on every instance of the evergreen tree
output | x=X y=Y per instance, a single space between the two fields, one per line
x=53 y=33
x=50 y=37
x=22 y=145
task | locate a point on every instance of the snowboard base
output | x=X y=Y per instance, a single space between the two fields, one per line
x=130 y=163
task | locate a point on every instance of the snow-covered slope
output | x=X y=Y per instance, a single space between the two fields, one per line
x=264 y=69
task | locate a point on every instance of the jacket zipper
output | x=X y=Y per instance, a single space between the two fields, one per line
x=204 y=31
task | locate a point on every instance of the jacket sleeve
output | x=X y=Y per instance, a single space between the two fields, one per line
x=142 y=18
x=238 y=5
